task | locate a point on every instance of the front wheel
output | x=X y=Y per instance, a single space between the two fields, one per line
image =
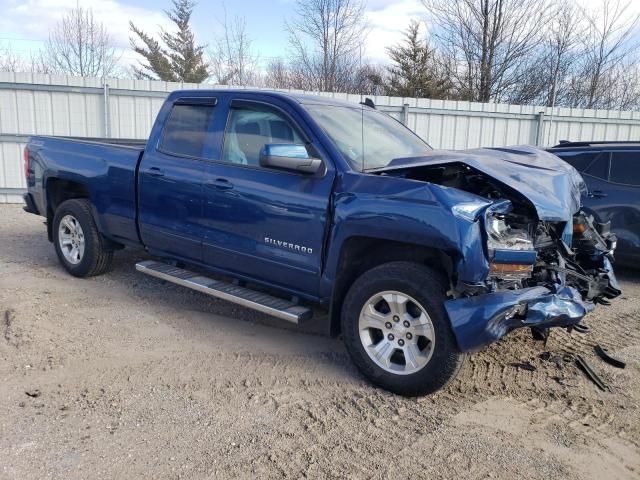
x=397 y=331
x=79 y=245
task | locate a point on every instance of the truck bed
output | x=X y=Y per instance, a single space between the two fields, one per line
x=107 y=167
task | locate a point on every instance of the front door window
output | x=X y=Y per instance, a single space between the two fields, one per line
x=251 y=128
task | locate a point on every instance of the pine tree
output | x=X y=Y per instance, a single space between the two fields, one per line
x=415 y=72
x=178 y=58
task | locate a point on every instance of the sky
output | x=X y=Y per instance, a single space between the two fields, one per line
x=24 y=23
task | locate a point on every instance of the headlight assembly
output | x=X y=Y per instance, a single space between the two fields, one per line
x=510 y=249
x=502 y=236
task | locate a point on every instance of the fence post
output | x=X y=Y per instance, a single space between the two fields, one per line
x=540 y=131
x=107 y=116
x=405 y=114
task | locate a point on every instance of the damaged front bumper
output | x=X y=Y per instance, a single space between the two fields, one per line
x=482 y=319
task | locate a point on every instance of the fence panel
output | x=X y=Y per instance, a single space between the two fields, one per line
x=38 y=104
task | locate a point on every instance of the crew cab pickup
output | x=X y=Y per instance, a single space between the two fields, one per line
x=293 y=204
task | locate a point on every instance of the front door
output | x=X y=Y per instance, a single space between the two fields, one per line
x=263 y=223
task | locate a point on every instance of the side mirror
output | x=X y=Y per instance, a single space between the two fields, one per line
x=290 y=157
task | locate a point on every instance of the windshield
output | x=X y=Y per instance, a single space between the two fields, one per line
x=367 y=138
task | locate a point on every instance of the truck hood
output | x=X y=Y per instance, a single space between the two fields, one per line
x=551 y=185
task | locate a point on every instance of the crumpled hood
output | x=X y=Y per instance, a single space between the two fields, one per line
x=550 y=184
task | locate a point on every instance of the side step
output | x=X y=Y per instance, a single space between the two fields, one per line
x=246 y=297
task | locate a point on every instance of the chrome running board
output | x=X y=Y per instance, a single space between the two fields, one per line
x=230 y=292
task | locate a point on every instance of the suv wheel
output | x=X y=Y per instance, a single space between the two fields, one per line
x=397 y=331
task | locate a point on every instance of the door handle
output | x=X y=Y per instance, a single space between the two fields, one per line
x=597 y=194
x=221 y=184
x=155 y=172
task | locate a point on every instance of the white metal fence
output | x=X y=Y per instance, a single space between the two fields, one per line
x=37 y=104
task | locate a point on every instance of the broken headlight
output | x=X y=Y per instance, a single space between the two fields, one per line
x=502 y=236
x=510 y=248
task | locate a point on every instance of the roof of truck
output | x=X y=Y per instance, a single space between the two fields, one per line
x=302 y=98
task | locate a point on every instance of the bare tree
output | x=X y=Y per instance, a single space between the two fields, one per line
x=561 y=42
x=80 y=45
x=326 y=37
x=369 y=79
x=231 y=58
x=279 y=75
x=586 y=59
x=607 y=47
x=10 y=62
x=276 y=74
x=545 y=73
x=625 y=91
x=487 y=42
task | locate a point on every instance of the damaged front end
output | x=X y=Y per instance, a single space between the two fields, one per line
x=530 y=256
x=557 y=276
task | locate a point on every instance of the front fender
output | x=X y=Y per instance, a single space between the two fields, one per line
x=406 y=211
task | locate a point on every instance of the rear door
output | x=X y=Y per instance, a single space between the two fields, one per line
x=266 y=224
x=171 y=198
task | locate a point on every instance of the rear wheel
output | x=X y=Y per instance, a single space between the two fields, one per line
x=397 y=331
x=80 y=247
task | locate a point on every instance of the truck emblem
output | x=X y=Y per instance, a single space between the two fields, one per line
x=287 y=245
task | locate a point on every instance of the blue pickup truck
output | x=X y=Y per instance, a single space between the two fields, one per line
x=292 y=204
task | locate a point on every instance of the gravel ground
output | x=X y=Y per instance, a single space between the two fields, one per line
x=122 y=376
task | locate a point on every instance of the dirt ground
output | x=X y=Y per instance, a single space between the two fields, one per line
x=122 y=376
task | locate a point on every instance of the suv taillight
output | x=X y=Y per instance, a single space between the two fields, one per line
x=26 y=163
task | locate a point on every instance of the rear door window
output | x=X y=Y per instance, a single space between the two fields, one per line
x=186 y=131
x=625 y=168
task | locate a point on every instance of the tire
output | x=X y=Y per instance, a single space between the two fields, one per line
x=93 y=258
x=423 y=291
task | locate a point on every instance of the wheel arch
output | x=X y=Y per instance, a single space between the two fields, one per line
x=60 y=190
x=359 y=254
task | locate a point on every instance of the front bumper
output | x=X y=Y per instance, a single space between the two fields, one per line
x=483 y=319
